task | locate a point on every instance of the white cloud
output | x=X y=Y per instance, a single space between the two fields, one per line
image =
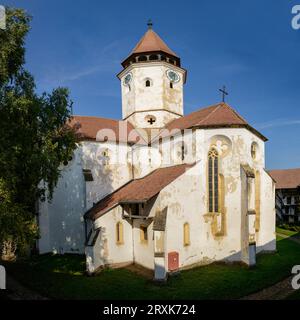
x=278 y=123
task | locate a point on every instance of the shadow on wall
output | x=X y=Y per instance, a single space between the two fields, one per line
x=235 y=258
x=73 y=197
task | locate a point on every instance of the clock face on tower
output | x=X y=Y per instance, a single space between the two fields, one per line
x=173 y=76
x=127 y=79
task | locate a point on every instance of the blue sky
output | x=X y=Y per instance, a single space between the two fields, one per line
x=249 y=46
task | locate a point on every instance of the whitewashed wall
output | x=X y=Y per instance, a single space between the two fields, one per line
x=146 y=100
x=106 y=250
x=61 y=221
x=266 y=239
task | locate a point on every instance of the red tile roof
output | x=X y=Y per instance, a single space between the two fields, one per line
x=87 y=128
x=138 y=190
x=215 y=116
x=152 y=42
x=287 y=178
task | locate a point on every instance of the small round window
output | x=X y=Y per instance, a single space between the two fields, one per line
x=150 y=119
x=127 y=79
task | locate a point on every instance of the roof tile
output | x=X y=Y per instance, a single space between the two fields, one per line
x=152 y=42
x=139 y=190
x=286 y=178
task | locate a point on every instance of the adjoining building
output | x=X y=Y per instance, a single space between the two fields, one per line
x=287 y=195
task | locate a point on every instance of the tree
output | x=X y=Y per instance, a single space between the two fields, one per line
x=35 y=137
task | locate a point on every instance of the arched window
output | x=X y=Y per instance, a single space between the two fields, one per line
x=213 y=181
x=119 y=233
x=142 y=58
x=153 y=57
x=254 y=148
x=148 y=83
x=186 y=234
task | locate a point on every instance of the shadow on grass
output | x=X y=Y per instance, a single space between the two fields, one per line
x=63 y=277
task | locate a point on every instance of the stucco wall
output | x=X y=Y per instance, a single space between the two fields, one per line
x=267 y=234
x=185 y=199
x=158 y=96
x=61 y=221
x=106 y=250
x=110 y=170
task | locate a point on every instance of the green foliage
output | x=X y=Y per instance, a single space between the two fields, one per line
x=12 y=43
x=34 y=136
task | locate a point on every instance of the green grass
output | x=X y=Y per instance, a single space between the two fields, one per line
x=286 y=232
x=62 y=277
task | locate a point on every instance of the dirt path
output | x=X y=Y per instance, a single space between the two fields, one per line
x=16 y=291
x=278 y=291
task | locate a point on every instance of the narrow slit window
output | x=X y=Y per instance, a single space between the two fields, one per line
x=213 y=181
x=144 y=233
x=119 y=233
x=186 y=234
x=182 y=152
x=171 y=85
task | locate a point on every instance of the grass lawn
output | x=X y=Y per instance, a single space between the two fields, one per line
x=286 y=232
x=62 y=277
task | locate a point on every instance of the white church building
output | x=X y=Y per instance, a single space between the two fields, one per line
x=158 y=188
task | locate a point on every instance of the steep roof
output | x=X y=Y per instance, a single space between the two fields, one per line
x=150 y=42
x=87 y=128
x=286 y=178
x=215 y=116
x=138 y=190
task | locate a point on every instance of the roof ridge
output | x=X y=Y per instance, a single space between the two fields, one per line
x=235 y=112
x=212 y=112
x=176 y=165
x=96 y=117
x=289 y=169
x=159 y=43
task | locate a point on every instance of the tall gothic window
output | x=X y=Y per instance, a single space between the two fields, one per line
x=213 y=181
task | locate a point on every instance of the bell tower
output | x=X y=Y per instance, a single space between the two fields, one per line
x=152 y=83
